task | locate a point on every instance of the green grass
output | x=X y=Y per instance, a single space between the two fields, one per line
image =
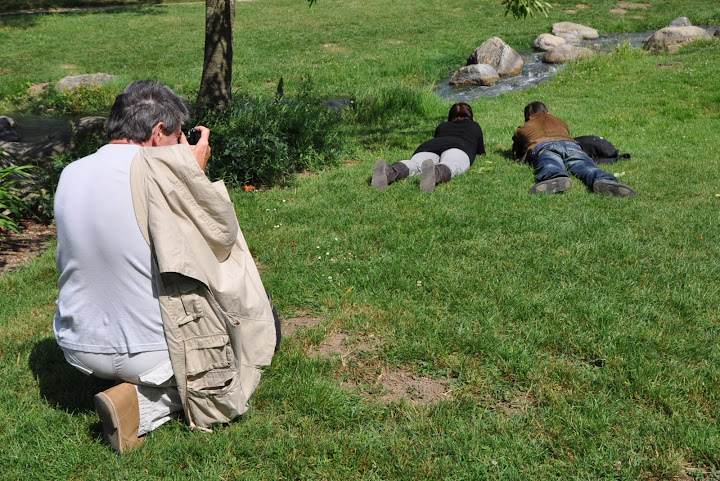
x=596 y=316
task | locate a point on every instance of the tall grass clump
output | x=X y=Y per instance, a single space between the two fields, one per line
x=264 y=141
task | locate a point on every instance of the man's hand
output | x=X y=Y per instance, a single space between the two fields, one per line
x=201 y=150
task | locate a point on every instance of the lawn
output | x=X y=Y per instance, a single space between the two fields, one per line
x=473 y=333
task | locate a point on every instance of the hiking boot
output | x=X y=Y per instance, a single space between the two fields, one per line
x=380 y=175
x=557 y=185
x=120 y=416
x=429 y=176
x=612 y=187
x=384 y=174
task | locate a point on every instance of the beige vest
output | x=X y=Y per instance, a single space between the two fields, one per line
x=217 y=318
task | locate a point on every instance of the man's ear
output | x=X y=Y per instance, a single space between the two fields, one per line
x=157 y=132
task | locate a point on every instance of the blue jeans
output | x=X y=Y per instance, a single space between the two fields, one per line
x=552 y=159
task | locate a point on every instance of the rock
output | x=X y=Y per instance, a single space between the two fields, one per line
x=89 y=125
x=8 y=129
x=681 y=22
x=58 y=141
x=574 y=32
x=566 y=52
x=87 y=80
x=547 y=41
x=475 y=74
x=499 y=55
x=670 y=39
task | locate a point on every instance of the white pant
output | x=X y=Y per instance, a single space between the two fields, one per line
x=150 y=372
x=455 y=159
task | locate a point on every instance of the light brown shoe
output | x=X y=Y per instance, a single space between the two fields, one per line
x=120 y=416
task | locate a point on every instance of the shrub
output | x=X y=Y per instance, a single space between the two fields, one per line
x=262 y=141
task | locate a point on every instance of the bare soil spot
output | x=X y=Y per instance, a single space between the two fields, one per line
x=300 y=322
x=632 y=5
x=519 y=404
x=582 y=6
x=356 y=355
x=618 y=11
x=16 y=250
x=669 y=64
x=334 y=48
x=403 y=384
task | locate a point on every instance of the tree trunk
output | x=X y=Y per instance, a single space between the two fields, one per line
x=216 y=84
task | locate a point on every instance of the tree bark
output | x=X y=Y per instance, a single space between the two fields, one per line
x=216 y=84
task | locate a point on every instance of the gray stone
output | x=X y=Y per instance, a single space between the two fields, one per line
x=574 y=32
x=547 y=41
x=681 y=22
x=499 y=55
x=86 y=80
x=670 y=39
x=565 y=53
x=475 y=74
x=8 y=129
x=58 y=141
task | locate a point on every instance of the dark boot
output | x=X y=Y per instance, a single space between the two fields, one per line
x=384 y=174
x=433 y=175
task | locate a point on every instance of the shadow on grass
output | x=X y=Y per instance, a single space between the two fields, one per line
x=28 y=20
x=61 y=385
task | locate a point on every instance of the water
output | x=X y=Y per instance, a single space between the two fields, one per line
x=536 y=71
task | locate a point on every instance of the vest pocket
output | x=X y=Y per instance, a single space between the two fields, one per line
x=203 y=355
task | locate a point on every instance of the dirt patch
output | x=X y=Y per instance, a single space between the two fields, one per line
x=303 y=320
x=669 y=64
x=632 y=5
x=519 y=404
x=618 y=11
x=403 y=384
x=347 y=346
x=334 y=48
x=368 y=375
x=16 y=249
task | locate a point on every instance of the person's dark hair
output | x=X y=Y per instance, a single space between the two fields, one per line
x=140 y=106
x=535 y=108
x=460 y=111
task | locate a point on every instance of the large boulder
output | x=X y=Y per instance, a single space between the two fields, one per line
x=670 y=39
x=547 y=41
x=87 y=80
x=566 y=52
x=475 y=74
x=57 y=141
x=499 y=55
x=574 y=32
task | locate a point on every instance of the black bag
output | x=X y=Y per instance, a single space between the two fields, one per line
x=600 y=150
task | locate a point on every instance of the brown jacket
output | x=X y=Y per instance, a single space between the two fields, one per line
x=540 y=128
x=217 y=317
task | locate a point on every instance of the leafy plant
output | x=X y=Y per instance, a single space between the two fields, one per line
x=12 y=204
x=522 y=8
x=262 y=141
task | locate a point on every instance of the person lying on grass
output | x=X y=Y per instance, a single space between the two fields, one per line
x=156 y=281
x=451 y=152
x=544 y=141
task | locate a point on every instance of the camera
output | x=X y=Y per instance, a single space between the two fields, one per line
x=192 y=135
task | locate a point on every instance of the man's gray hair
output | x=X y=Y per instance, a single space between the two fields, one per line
x=141 y=106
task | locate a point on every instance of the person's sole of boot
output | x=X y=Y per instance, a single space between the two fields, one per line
x=614 y=188
x=106 y=411
x=552 y=186
x=379 y=177
x=427 y=183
